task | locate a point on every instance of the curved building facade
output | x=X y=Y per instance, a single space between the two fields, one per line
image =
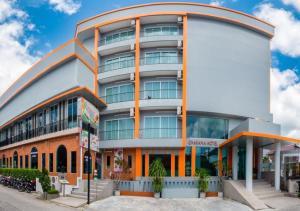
x=183 y=82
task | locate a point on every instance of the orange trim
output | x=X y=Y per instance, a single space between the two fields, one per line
x=170 y=3
x=131 y=193
x=220 y=164
x=193 y=154
x=211 y=194
x=138 y=162
x=73 y=90
x=173 y=164
x=184 y=81
x=260 y=135
x=146 y=164
x=181 y=162
x=137 y=80
x=96 y=40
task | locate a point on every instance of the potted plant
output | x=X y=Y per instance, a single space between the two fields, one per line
x=220 y=193
x=203 y=178
x=157 y=171
x=52 y=194
x=118 y=175
x=44 y=179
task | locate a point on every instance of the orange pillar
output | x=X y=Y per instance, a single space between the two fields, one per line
x=137 y=80
x=193 y=160
x=146 y=164
x=138 y=162
x=220 y=166
x=96 y=41
x=181 y=162
x=173 y=164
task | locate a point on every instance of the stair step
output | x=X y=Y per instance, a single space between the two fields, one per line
x=263 y=190
x=271 y=195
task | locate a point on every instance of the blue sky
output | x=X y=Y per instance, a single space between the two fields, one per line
x=31 y=28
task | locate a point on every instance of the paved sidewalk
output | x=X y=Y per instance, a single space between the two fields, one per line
x=69 y=201
x=127 y=203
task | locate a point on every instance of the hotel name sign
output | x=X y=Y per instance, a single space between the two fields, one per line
x=204 y=142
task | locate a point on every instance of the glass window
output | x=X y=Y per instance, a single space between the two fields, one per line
x=120 y=93
x=188 y=161
x=21 y=161
x=161 y=57
x=207 y=157
x=43 y=160
x=61 y=159
x=118 y=62
x=107 y=161
x=26 y=161
x=53 y=118
x=161 y=90
x=161 y=30
x=119 y=36
x=72 y=112
x=166 y=161
x=51 y=162
x=160 y=127
x=34 y=158
x=129 y=161
x=205 y=127
x=119 y=129
x=73 y=162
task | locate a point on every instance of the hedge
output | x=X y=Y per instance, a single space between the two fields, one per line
x=28 y=174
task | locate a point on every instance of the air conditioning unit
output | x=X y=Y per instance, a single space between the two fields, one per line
x=180 y=44
x=179 y=19
x=132 y=22
x=131 y=112
x=179 y=75
x=132 y=47
x=132 y=77
x=179 y=111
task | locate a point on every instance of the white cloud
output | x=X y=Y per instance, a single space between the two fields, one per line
x=287 y=29
x=14 y=49
x=66 y=6
x=295 y=3
x=217 y=3
x=285 y=101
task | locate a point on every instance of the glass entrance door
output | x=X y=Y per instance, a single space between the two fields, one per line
x=242 y=163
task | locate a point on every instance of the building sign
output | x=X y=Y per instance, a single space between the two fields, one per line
x=202 y=142
x=118 y=155
x=89 y=114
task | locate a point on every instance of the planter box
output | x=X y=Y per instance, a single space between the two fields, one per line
x=52 y=196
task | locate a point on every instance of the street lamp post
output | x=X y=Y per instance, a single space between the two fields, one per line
x=89 y=162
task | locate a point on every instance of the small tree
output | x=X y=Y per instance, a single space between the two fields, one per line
x=158 y=172
x=119 y=174
x=203 y=178
x=44 y=179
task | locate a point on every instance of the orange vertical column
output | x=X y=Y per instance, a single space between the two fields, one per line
x=181 y=162
x=173 y=164
x=146 y=164
x=137 y=80
x=184 y=83
x=96 y=41
x=220 y=166
x=193 y=160
x=138 y=162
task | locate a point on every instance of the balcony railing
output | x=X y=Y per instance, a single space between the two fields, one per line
x=119 y=97
x=117 y=65
x=161 y=94
x=162 y=33
x=161 y=60
x=146 y=133
x=117 y=39
x=42 y=130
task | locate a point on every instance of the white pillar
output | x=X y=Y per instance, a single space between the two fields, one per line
x=260 y=157
x=235 y=160
x=249 y=163
x=277 y=166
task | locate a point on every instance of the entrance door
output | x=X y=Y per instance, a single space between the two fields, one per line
x=242 y=163
x=99 y=165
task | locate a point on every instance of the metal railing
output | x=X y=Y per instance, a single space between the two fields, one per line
x=42 y=130
x=161 y=60
x=163 y=133
x=117 y=65
x=162 y=33
x=114 y=40
x=119 y=97
x=116 y=134
x=161 y=94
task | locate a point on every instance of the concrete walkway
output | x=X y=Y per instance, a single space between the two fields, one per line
x=127 y=203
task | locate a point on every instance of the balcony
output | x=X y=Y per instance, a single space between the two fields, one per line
x=116 y=43
x=51 y=128
x=120 y=70
x=160 y=65
x=160 y=98
x=149 y=138
x=120 y=102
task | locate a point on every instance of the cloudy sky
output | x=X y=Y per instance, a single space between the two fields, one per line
x=31 y=28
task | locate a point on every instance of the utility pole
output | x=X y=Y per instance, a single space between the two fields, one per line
x=89 y=162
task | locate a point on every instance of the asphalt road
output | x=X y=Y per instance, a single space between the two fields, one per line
x=13 y=200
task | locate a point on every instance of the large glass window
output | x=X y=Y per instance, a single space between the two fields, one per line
x=72 y=112
x=119 y=129
x=165 y=159
x=15 y=164
x=188 y=161
x=118 y=62
x=73 y=162
x=207 y=158
x=205 y=127
x=34 y=158
x=53 y=118
x=28 y=127
x=118 y=36
x=120 y=93
x=161 y=57
x=161 y=30
x=161 y=90
x=61 y=159
x=51 y=162
x=160 y=127
x=43 y=160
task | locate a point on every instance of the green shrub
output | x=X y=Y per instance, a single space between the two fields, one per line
x=52 y=191
x=44 y=179
x=27 y=174
x=158 y=172
x=203 y=178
